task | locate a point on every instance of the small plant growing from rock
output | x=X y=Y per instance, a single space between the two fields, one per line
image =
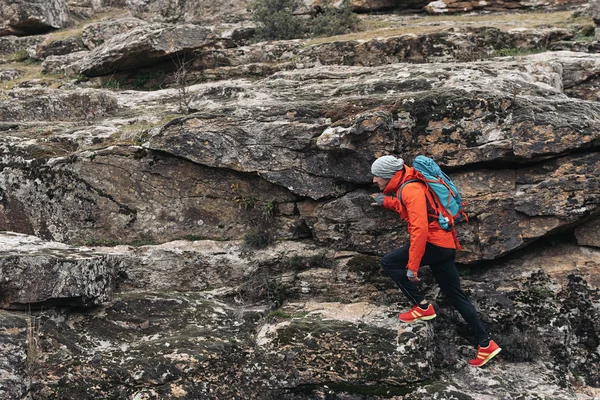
x=184 y=97
x=34 y=348
x=258 y=238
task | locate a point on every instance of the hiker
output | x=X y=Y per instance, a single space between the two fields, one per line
x=429 y=245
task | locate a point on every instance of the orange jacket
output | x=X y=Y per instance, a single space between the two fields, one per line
x=414 y=209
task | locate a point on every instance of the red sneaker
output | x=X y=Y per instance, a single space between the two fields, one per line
x=417 y=313
x=485 y=354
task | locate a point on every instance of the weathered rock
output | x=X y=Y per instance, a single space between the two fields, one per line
x=532 y=290
x=452 y=44
x=39 y=273
x=96 y=33
x=143 y=46
x=11 y=45
x=594 y=11
x=67 y=65
x=32 y=17
x=223 y=267
x=55 y=105
x=56 y=48
x=193 y=11
x=459 y=114
x=84 y=8
x=453 y=6
x=293 y=130
x=8 y=75
x=125 y=194
x=13 y=365
x=588 y=234
x=192 y=347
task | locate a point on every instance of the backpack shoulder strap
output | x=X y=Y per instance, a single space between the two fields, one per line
x=399 y=193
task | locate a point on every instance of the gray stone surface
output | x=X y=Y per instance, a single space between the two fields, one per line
x=42 y=273
x=143 y=46
x=96 y=33
x=30 y=17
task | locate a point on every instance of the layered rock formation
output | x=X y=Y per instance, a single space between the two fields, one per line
x=454 y=6
x=232 y=251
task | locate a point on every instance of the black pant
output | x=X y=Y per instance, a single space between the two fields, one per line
x=441 y=262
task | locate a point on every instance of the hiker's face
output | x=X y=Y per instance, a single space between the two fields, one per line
x=381 y=182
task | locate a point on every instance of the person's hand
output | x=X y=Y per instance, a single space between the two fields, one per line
x=377 y=199
x=412 y=276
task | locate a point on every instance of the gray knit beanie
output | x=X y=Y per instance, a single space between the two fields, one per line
x=387 y=166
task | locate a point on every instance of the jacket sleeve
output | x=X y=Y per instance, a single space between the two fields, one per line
x=391 y=203
x=413 y=198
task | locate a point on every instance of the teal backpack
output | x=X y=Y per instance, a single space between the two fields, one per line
x=448 y=203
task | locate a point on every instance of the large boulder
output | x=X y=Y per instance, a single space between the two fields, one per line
x=66 y=65
x=126 y=194
x=46 y=273
x=146 y=344
x=17 y=46
x=58 y=47
x=459 y=114
x=96 y=33
x=225 y=340
x=145 y=45
x=32 y=17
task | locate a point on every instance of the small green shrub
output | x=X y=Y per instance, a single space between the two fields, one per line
x=276 y=20
x=258 y=238
x=335 y=21
x=143 y=240
x=19 y=56
x=587 y=31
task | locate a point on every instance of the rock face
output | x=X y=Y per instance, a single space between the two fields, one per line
x=457 y=133
x=462 y=44
x=200 y=344
x=12 y=44
x=97 y=33
x=36 y=273
x=55 y=105
x=31 y=17
x=453 y=6
x=56 y=48
x=144 y=45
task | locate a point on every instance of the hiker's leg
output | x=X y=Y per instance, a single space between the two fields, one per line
x=446 y=276
x=394 y=265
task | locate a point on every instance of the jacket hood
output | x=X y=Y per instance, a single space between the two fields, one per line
x=399 y=178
